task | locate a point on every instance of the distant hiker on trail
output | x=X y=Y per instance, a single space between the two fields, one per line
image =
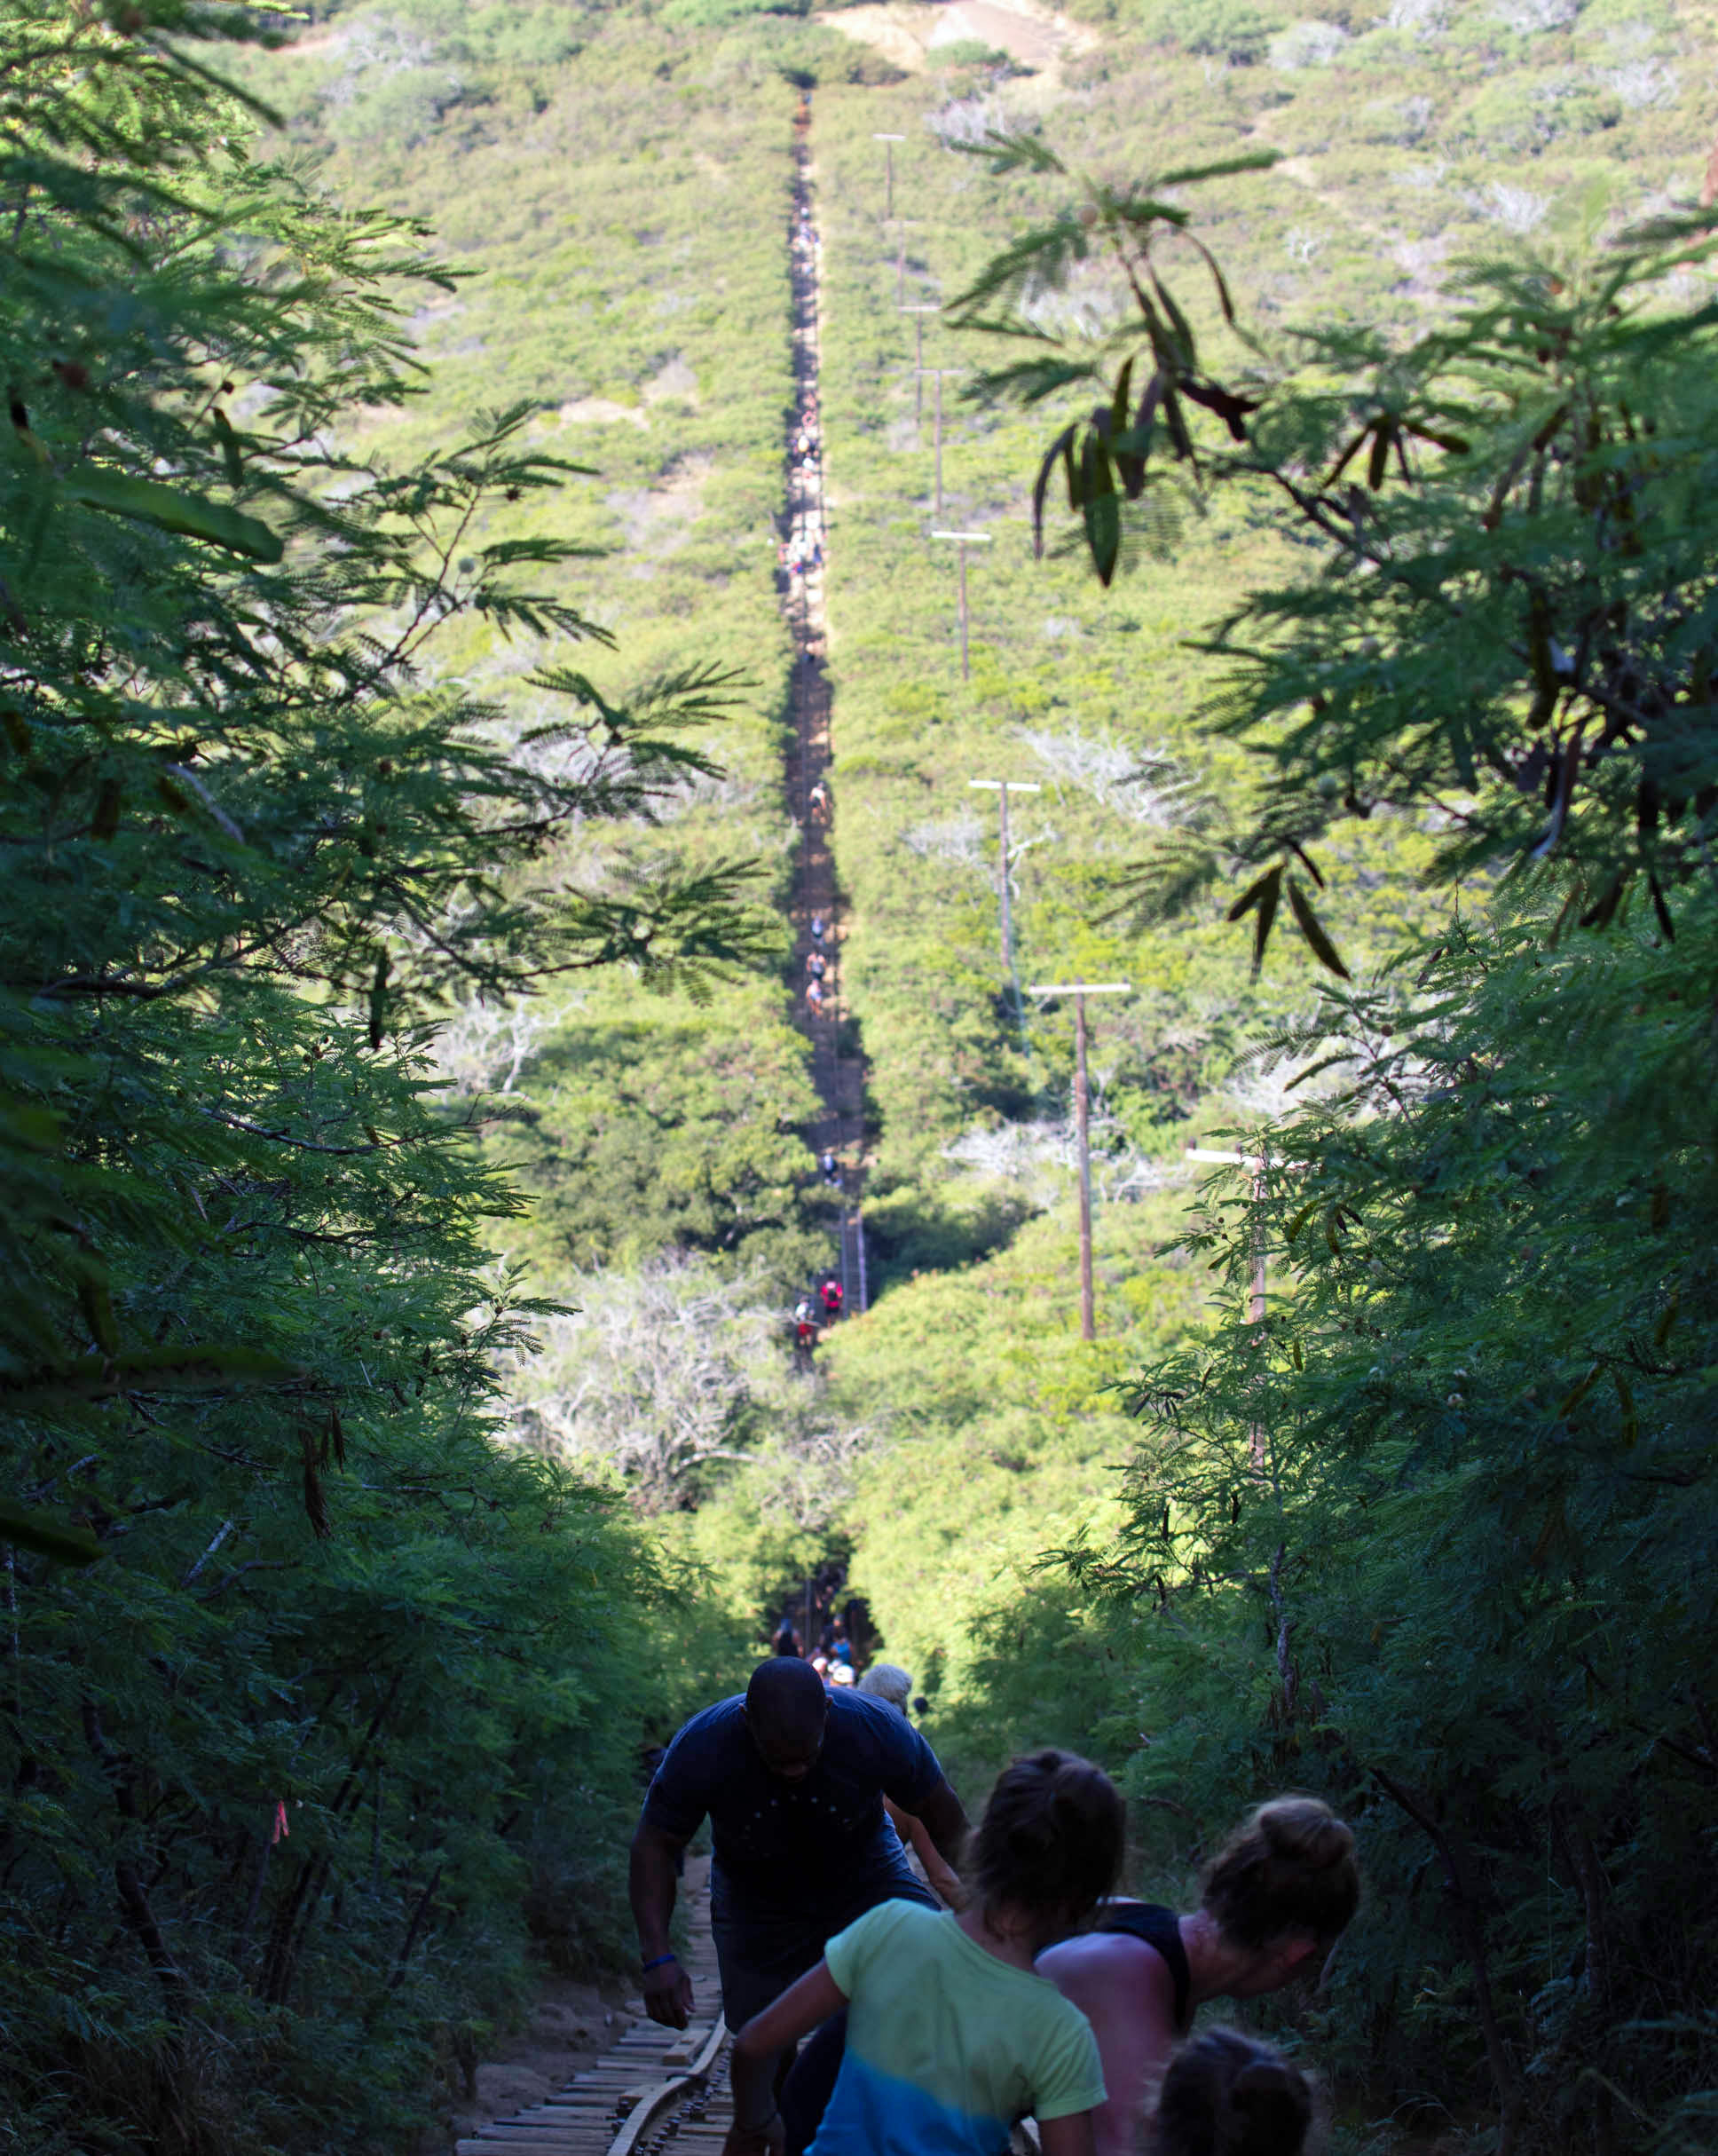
x=888 y=1682
x=816 y=965
x=791 y=1779
x=819 y=800
x=787 y=1641
x=832 y=1169
x=815 y=995
x=1277 y=1897
x=817 y=927
x=950 y=2039
x=831 y=1295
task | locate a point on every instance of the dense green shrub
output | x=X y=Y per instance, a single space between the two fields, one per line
x=1436 y=1540
x=1433 y=1530
x=334 y=1687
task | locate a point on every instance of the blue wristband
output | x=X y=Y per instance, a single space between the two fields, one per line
x=659 y=1960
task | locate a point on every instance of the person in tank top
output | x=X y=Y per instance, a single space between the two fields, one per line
x=1276 y=1897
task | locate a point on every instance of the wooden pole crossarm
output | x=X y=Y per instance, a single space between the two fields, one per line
x=963 y=539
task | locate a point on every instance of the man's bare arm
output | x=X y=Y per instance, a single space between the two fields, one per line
x=946 y=1823
x=651 y=1883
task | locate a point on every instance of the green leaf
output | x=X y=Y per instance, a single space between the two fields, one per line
x=230 y=452
x=155 y=1369
x=97 y=1307
x=1254 y=893
x=378 y=999
x=46 y=1537
x=1572 y=1399
x=1057 y=450
x=1103 y=533
x=1301 y=1218
x=1313 y=929
x=1221 y=168
x=1118 y=405
x=151 y=502
x=1631 y=1421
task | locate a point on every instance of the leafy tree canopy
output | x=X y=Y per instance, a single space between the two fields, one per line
x=1509 y=616
x=281 y=1760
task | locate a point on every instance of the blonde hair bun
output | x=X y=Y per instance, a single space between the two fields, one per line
x=1291 y=1866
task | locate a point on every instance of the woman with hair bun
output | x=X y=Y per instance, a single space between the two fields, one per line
x=951 y=2036
x=1226 y=2095
x=1276 y=1897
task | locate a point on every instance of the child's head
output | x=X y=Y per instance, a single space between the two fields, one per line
x=1050 y=1842
x=1225 y=2095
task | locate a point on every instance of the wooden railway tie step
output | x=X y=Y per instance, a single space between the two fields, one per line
x=607 y=2110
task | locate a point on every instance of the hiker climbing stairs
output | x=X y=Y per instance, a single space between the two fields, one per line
x=655 y=2088
x=820 y=929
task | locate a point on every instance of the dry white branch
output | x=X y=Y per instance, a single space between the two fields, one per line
x=1306 y=44
x=961 y=840
x=485 y=1045
x=656 y=1372
x=1140 y=784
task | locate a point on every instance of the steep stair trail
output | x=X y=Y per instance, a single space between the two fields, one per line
x=838 y=1071
x=657 y=2089
x=660 y=2088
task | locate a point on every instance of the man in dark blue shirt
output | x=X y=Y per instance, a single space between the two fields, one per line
x=792 y=1779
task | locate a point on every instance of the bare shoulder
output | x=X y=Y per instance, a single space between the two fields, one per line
x=1112 y=1966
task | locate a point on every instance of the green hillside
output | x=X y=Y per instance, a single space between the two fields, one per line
x=1432 y=1537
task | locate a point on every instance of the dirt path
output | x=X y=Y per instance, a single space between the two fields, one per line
x=838 y=1068
x=650 y=2091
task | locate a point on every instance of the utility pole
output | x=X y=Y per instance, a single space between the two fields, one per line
x=1256 y=1298
x=888 y=143
x=937 y=373
x=1080 y=990
x=919 y=314
x=1002 y=788
x=963 y=539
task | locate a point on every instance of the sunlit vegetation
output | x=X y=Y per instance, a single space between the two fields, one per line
x=405 y=1129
